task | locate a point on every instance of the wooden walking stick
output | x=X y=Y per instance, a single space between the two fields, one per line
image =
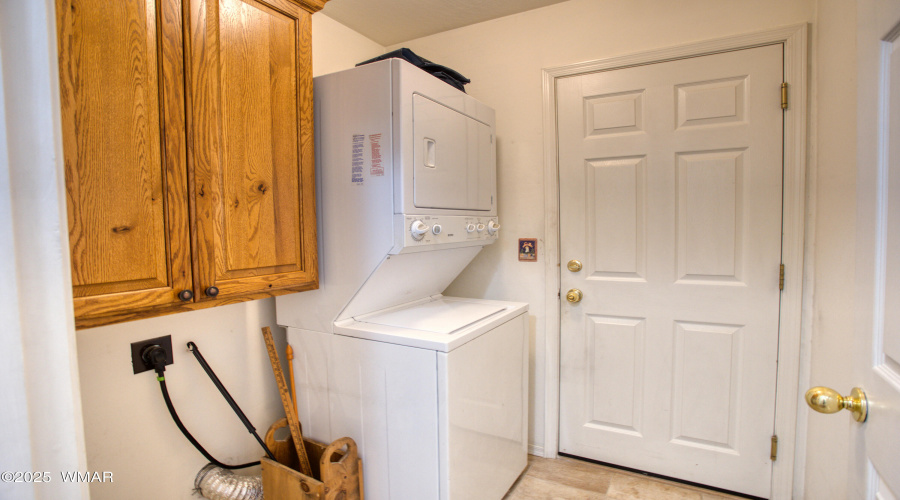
x=289 y=352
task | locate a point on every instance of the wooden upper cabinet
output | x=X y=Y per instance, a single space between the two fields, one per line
x=120 y=75
x=188 y=145
x=250 y=83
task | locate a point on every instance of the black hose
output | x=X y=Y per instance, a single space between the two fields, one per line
x=231 y=402
x=165 y=393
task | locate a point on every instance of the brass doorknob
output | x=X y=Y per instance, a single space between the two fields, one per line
x=826 y=400
x=574 y=266
x=574 y=295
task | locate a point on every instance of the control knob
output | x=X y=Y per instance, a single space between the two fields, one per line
x=480 y=228
x=493 y=227
x=470 y=228
x=436 y=229
x=418 y=230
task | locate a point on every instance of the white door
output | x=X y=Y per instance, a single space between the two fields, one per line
x=876 y=443
x=670 y=197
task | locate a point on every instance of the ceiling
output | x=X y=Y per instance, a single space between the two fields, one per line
x=393 y=21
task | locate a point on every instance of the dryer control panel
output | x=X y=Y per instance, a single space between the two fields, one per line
x=416 y=233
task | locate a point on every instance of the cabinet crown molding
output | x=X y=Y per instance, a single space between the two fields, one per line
x=311 y=5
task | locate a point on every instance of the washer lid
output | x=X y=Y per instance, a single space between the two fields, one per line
x=437 y=322
x=437 y=316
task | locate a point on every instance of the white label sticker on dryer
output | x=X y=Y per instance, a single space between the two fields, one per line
x=356 y=173
x=376 y=169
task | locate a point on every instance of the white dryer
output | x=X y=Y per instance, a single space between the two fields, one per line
x=433 y=389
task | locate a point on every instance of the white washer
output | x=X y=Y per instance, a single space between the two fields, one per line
x=433 y=389
x=435 y=392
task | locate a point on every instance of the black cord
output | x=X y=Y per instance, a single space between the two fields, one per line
x=165 y=393
x=231 y=402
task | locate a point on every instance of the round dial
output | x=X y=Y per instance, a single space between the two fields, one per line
x=436 y=229
x=470 y=228
x=418 y=230
x=480 y=227
x=493 y=227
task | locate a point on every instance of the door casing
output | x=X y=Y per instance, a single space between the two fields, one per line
x=793 y=372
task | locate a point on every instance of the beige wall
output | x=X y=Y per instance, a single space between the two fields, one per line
x=128 y=430
x=40 y=406
x=504 y=58
x=831 y=239
x=337 y=47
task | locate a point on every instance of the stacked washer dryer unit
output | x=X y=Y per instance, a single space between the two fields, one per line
x=433 y=389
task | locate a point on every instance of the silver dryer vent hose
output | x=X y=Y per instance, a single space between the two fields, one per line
x=216 y=483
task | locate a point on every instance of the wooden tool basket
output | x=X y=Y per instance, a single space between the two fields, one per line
x=337 y=466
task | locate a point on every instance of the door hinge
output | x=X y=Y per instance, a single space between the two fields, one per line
x=781 y=277
x=774 y=454
x=784 y=95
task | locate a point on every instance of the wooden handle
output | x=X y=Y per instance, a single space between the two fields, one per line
x=293 y=424
x=283 y=448
x=344 y=472
x=270 y=434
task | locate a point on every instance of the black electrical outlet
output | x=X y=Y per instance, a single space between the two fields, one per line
x=137 y=347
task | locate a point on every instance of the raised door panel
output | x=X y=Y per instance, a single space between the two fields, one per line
x=614 y=370
x=123 y=142
x=709 y=215
x=251 y=101
x=616 y=205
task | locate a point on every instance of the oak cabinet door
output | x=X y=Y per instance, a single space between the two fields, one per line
x=250 y=93
x=121 y=93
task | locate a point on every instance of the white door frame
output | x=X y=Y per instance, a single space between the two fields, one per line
x=794 y=329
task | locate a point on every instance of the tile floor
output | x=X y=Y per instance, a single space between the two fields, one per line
x=568 y=479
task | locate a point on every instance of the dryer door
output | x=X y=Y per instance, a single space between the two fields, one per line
x=454 y=158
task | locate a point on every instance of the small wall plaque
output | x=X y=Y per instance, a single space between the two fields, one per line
x=528 y=249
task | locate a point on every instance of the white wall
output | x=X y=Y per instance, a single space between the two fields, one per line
x=337 y=47
x=504 y=58
x=128 y=430
x=831 y=240
x=40 y=416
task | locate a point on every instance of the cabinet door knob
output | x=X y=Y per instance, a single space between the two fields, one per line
x=212 y=291
x=186 y=295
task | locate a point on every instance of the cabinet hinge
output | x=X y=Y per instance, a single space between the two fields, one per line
x=784 y=95
x=781 y=277
x=774 y=454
